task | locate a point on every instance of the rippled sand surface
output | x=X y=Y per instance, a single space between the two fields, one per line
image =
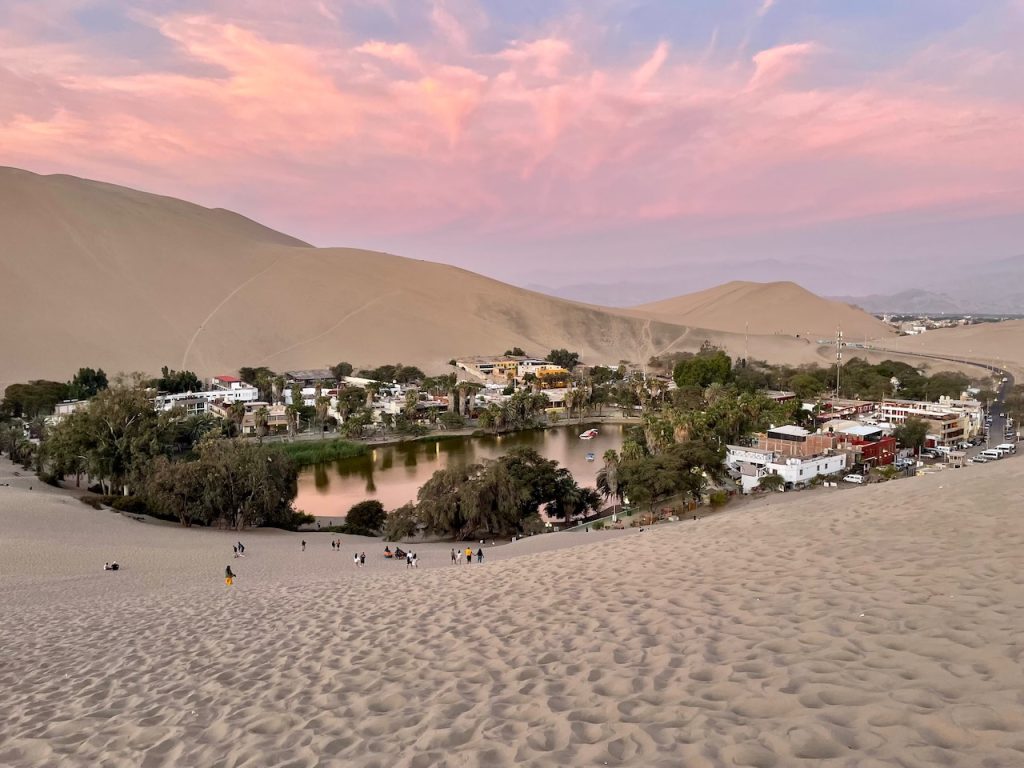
x=874 y=626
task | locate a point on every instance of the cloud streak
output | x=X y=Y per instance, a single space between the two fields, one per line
x=340 y=131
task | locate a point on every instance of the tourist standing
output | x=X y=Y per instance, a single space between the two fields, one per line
x=355 y=559
x=454 y=560
x=229 y=576
x=469 y=555
x=362 y=559
x=480 y=555
x=303 y=545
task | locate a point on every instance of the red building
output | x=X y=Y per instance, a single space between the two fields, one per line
x=876 y=453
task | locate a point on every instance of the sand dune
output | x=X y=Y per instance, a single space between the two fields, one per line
x=99 y=275
x=767 y=308
x=872 y=626
x=1000 y=344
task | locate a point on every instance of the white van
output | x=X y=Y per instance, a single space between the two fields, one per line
x=1006 y=448
x=991 y=453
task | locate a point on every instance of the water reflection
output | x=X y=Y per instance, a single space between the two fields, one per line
x=394 y=473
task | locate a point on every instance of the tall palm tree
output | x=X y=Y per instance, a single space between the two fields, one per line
x=237 y=413
x=261 y=419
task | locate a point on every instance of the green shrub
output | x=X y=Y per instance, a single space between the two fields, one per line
x=718 y=498
x=310 y=452
x=365 y=518
x=130 y=504
x=598 y=525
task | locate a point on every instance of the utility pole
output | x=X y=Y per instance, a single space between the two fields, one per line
x=839 y=358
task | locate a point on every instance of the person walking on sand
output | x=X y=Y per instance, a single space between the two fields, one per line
x=415 y=560
x=241 y=549
x=469 y=555
x=235 y=550
x=355 y=559
x=408 y=559
x=457 y=556
x=229 y=576
x=362 y=559
x=303 y=545
x=454 y=562
x=480 y=555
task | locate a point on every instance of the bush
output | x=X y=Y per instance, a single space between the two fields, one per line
x=718 y=499
x=597 y=526
x=366 y=518
x=294 y=520
x=131 y=504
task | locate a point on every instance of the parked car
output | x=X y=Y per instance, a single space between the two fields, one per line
x=979 y=460
x=854 y=479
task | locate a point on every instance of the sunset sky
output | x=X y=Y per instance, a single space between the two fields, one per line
x=551 y=142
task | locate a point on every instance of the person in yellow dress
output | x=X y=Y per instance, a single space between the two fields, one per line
x=229 y=576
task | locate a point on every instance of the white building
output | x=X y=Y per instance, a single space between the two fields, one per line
x=226 y=389
x=753 y=464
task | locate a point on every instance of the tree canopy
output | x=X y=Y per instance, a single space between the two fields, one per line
x=912 y=434
x=176 y=382
x=564 y=358
x=366 y=518
x=36 y=398
x=709 y=366
x=87 y=383
x=497 y=497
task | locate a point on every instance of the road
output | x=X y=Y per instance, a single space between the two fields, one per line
x=996 y=430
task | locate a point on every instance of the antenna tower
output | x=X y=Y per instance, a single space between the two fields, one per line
x=839 y=357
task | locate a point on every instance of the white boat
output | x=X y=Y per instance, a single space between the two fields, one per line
x=590 y=457
x=590 y=434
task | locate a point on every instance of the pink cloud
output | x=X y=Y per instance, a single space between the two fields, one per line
x=389 y=136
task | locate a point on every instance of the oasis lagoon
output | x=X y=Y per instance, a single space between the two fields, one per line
x=393 y=474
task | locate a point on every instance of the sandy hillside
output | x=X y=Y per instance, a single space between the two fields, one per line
x=870 y=626
x=99 y=275
x=767 y=308
x=1000 y=344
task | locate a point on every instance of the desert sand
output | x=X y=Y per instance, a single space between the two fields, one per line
x=999 y=344
x=100 y=275
x=874 y=626
x=781 y=308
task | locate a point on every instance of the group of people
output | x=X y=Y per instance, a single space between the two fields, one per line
x=358 y=558
x=111 y=566
x=458 y=554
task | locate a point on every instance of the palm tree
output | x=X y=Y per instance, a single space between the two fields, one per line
x=322 y=406
x=237 y=413
x=261 y=420
x=608 y=476
x=278 y=390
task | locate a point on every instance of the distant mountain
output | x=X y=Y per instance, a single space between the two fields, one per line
x=911 y=302
x=782 y=308
x=989 y=288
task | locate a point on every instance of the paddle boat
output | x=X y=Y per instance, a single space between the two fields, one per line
x=590 y=434
x=590 y=457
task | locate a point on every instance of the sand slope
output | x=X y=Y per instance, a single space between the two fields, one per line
x=873 y=626
x=767 y=308
x=99 y=275
x=1000 y=344
x=96 y=274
